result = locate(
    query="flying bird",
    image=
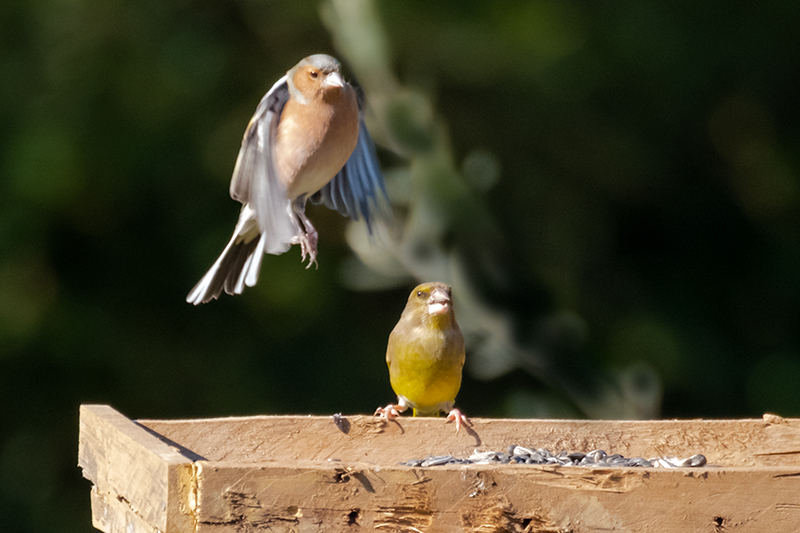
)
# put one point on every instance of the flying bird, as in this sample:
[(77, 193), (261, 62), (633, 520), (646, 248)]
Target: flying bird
[(425, 356), (306, 141)]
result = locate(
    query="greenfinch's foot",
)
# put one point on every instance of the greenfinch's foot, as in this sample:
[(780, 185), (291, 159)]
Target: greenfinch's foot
[(456, 415), (390, 412)]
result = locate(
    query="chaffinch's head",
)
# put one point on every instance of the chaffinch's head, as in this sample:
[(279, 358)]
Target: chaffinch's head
[(316, 76)]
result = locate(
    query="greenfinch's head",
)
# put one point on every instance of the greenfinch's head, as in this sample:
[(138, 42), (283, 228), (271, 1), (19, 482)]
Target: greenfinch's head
[(431, 302)]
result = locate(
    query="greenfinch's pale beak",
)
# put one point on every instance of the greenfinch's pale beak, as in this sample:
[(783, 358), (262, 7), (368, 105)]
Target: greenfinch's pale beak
[(439, 302)]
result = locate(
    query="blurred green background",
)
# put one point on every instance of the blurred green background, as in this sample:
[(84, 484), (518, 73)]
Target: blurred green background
[(611, 188)]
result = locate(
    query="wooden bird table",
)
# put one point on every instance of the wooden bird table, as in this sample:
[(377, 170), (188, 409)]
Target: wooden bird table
[(309, 473)]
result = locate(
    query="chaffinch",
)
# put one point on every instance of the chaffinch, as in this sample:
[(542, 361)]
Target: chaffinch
[(425, 356), (306, 140)]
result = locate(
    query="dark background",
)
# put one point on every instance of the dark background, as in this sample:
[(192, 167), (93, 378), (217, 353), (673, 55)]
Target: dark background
[(616, 189)]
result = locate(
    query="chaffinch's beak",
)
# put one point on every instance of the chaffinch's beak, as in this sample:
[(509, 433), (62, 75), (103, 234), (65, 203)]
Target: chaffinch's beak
[(334, 79)]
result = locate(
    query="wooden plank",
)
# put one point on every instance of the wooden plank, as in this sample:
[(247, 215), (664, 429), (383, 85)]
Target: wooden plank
[(312, 474), (767, 442), (113, 514), (141, 484), (488, 498)]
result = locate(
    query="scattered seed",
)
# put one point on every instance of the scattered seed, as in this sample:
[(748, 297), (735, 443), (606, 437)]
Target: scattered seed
[(542, 456)]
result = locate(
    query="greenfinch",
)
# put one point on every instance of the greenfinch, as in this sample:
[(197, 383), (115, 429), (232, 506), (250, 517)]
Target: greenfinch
[(425, 356)]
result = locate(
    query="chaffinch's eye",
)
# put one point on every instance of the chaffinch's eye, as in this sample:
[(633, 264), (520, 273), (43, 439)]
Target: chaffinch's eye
[(313, 73)]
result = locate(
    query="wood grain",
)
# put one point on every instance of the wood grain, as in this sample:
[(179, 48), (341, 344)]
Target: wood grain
[(315, 497), (370, 439), (298, 474), (139, 481)]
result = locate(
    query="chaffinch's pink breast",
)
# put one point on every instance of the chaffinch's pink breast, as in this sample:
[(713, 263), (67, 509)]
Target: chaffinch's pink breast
[(315, 139)]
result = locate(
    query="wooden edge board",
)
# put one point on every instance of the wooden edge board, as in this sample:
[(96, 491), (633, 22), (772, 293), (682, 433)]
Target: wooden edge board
[(515, 498), (748, 442), (135, 474), (112, 515)]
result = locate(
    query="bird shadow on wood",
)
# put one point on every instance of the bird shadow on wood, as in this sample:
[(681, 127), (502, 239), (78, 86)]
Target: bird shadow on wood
[(186, 452), (472, 433)]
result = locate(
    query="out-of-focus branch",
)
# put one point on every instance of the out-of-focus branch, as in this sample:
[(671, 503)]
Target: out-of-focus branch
[(444, 232)]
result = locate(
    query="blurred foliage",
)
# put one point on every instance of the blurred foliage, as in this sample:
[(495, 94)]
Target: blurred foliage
[(612, 190)]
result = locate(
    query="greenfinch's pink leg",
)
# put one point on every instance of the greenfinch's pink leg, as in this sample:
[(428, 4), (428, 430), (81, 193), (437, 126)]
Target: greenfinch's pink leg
[(390, 412), (456, 415)]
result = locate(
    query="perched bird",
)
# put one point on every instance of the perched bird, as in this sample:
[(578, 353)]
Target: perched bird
[(425, 356), (306, 140)]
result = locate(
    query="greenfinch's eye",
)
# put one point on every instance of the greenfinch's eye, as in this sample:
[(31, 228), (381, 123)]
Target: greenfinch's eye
[(420, 294), (313, 73)]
